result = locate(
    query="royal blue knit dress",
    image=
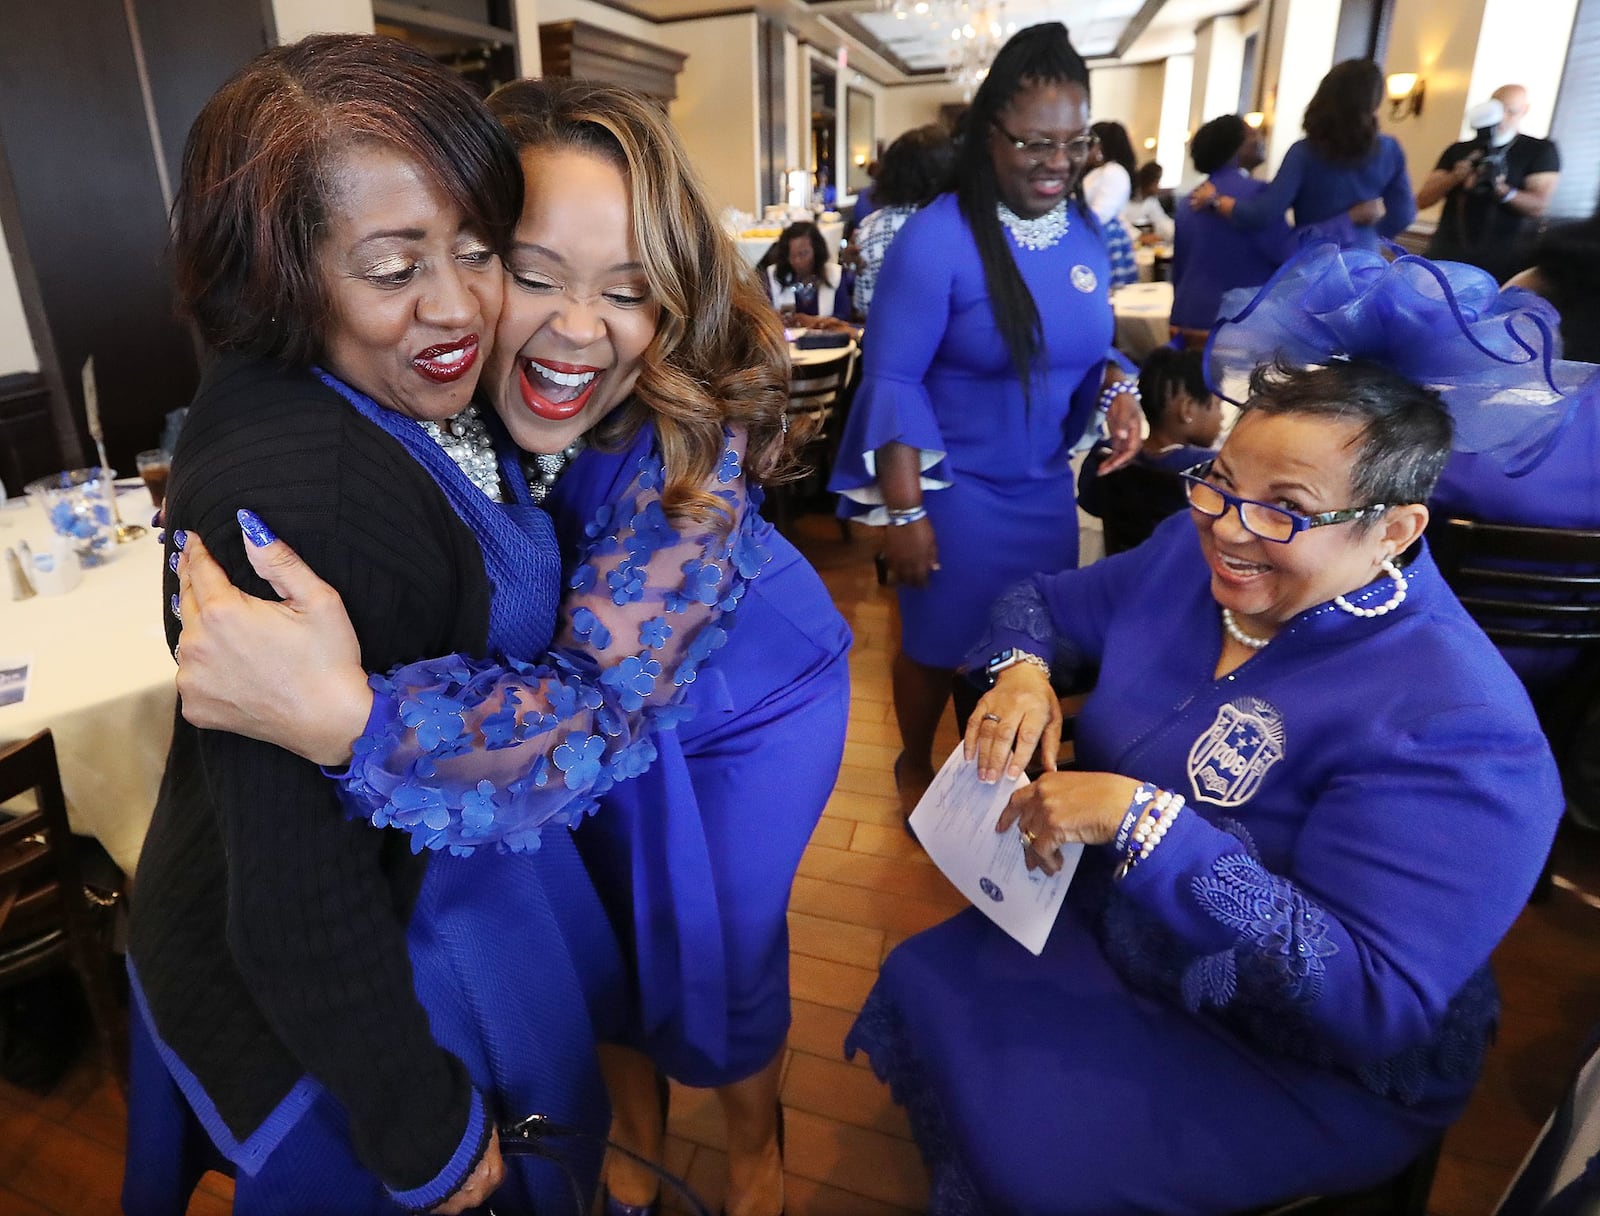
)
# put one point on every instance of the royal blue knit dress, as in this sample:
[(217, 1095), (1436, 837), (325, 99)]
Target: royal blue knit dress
[(937, 376), (694, 857)]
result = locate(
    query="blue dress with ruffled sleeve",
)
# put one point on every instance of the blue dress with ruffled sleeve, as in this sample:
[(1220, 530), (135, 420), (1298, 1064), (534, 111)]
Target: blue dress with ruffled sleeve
[(937, 376)]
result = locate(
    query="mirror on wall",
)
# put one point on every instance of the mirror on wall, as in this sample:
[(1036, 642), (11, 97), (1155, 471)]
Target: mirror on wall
[(824, 120), (860, 129)]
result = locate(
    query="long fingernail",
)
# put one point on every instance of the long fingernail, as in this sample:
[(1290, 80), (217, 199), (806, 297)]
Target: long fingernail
[(256, 532), (179, 539), (172, 563), (173, 604)]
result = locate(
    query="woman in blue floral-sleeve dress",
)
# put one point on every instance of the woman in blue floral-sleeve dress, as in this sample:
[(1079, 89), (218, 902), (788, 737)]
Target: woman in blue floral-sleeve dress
[(696, 694)]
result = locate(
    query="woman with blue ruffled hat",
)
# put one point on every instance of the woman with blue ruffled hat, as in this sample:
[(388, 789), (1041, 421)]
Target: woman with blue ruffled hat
[(1311, 798)]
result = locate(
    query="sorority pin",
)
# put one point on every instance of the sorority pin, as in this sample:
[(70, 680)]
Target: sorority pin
[(1084, 279)]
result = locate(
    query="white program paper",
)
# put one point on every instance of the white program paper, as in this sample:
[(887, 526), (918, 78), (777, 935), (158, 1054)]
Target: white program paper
[(955, 823)]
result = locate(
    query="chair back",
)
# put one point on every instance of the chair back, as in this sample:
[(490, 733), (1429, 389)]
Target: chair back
[(47, 917), (1524, 585), (814, 390)]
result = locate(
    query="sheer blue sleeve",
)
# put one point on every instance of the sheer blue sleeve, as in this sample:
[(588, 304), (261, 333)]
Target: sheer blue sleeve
[(464, 752), (1280, 194)]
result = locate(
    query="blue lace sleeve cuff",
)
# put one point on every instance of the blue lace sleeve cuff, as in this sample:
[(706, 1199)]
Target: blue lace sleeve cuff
[(1020, 620), (448, 1181)]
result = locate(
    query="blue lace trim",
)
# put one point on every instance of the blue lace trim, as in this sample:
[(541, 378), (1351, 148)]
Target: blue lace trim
[(879, 1032), (1263, 986), (1021, 614), (599, 717)]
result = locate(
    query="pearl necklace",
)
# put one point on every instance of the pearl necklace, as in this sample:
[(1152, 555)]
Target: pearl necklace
[(547, 467), (1042, 231), (465, 439), (1239, 635)]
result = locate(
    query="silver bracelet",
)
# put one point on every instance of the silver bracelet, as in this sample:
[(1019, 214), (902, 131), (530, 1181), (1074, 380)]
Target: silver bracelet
[(899, 518)]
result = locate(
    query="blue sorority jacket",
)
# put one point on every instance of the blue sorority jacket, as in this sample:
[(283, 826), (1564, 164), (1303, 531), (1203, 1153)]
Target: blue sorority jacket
[(1371, 801)]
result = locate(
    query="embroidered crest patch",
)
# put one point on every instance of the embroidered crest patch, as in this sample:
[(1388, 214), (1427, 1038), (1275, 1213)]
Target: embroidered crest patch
[(1229, 760), (1084, 279)]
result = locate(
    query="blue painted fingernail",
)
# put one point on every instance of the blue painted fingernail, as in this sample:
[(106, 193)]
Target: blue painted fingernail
[(173, 604), (179, 539), (155, 520), (256, 532), (172, 563)]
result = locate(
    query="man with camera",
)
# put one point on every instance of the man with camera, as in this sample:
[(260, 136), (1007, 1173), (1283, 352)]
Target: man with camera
[(1491, 184)]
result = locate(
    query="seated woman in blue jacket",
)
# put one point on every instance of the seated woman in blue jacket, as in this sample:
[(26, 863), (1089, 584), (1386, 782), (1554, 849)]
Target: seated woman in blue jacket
[(1313, 799)]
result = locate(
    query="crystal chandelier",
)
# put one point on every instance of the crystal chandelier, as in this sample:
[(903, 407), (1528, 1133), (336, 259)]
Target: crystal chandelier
[(975, 30)]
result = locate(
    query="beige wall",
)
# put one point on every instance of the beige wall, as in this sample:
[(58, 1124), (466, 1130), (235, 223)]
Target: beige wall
[(716, 109), (297, 18), (16, 342), (906, 106), (1132, 96), (1522, 42), (1440, 43), (1298, 57)]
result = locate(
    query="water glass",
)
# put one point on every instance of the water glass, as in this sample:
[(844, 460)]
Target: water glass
[(77, 503)]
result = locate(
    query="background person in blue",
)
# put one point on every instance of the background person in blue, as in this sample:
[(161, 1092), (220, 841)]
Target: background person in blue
[(1342, 163), (990, 329), (1211, 256), (695, 851), (1313, 798)]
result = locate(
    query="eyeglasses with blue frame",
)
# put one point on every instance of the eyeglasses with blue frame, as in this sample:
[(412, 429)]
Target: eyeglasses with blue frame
[(1264, 519), (1040, 150)]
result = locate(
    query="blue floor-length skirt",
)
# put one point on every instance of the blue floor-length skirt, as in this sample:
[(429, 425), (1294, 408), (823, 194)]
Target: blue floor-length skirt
[(1047, 1085), (518, 969)]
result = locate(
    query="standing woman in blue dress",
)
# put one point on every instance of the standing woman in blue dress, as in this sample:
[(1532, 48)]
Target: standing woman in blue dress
[(991, 323), (1334, 179), (645, 372)]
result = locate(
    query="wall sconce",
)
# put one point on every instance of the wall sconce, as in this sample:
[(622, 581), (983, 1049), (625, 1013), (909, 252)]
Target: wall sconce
[(1150, 144), (1254, 119), (1406, 90)]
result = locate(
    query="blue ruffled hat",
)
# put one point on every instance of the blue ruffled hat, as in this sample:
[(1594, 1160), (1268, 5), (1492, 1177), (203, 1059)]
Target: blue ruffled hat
[(1492, 355)]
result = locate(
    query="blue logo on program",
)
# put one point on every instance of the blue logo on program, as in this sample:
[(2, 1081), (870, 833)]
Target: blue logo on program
[(989, 889)]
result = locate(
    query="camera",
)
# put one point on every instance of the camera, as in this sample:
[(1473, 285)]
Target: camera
[(1488, 161)]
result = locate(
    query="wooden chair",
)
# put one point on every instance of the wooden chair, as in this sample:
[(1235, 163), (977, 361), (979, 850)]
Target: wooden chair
[(816, 393), (48, 919)]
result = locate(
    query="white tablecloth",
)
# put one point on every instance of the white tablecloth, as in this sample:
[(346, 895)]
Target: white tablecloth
[(1144, 317), (752, 247), (101, 679)]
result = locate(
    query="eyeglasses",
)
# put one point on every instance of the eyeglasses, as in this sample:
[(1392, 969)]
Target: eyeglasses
[(1277, 524), (1040, 150)]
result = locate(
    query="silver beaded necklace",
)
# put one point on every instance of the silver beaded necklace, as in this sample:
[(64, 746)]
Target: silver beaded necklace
[(465, 439), (1042, 231), (547, 467)]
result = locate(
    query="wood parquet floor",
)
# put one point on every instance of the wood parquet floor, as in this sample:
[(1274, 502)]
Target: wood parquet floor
[(862, 888)]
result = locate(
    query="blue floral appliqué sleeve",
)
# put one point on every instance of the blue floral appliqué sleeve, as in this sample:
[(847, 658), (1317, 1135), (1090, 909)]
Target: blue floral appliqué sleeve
[(466, 752)]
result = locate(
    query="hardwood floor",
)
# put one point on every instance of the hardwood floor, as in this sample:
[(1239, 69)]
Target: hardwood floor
[(863, 887)]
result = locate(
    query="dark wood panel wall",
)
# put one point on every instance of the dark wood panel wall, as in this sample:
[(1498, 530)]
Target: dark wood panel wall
[(587, 52), (87, 202)]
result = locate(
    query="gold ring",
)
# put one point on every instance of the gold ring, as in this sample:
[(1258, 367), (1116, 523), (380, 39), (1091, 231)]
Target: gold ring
[(991, 717), (1028, 836)]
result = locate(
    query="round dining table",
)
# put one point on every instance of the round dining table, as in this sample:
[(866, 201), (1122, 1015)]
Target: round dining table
[(1143, 314), (99, 677)]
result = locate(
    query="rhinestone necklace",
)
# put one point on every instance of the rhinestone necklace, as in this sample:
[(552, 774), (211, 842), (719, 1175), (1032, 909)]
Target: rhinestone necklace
[(465, 439), (1042, 231), (546, 467), (1239, 635)]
